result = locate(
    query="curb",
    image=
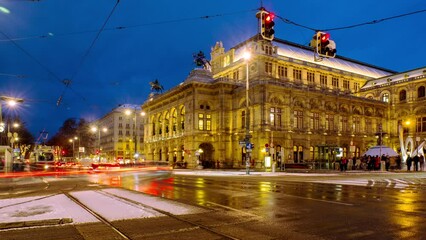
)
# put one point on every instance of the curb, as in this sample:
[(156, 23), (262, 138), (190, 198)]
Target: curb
[(35, 223)]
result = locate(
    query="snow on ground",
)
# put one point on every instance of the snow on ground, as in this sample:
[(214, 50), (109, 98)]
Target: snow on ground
[(156, 202), (113, 208), (37, 208)]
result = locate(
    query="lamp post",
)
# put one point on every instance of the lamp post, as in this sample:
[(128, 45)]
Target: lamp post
[(72, 140), (247, 57), (98, 129)]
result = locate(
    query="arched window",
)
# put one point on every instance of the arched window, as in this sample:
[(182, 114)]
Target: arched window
[(402, 95), (182, 118), (421, 92), (385, 97), (160, 126), (167, 122), (174, 121)]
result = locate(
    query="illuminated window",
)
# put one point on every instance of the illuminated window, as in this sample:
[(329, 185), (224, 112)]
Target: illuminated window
[(356, 124), (200, 121), (385, 97), (182, 118), (275, 116), (344, 124), (315, 119), (329, 122), (204, 121), (208, 122), (298, 119)]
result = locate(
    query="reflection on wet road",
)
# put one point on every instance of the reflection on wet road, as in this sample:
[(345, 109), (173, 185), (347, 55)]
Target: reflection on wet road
[(322, 209)]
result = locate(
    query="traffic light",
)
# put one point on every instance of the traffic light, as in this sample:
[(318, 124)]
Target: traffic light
[(97, 151), (323, 45), (267, 25)]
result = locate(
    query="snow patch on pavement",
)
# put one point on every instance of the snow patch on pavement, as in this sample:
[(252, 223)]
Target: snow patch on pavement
[(166, 205), (113, 208), (34, 208)]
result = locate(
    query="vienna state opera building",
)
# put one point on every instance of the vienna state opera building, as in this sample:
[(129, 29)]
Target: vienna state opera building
[(299, 110)]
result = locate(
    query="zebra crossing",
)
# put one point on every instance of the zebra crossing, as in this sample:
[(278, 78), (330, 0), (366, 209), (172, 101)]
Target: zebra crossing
[(386, 182)]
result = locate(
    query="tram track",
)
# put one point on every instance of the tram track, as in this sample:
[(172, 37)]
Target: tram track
[(124, 235)]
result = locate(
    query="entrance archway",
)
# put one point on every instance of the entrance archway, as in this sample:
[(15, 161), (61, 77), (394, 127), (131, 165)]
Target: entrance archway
[(206, 156)]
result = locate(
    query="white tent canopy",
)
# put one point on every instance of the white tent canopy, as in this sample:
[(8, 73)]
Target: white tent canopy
[(380, 150)]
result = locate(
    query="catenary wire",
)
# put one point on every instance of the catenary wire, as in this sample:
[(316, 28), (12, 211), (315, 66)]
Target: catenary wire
[(68, 82), (49, 35), (351, 26)]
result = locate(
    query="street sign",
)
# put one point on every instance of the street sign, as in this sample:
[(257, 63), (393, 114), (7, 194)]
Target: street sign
[(248, 146), (242, 142)]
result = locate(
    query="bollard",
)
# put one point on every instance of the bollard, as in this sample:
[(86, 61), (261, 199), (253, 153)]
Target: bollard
[(247, 167)]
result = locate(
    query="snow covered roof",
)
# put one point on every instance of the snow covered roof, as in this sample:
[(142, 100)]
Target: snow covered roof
[(306, 54), (405, 76)]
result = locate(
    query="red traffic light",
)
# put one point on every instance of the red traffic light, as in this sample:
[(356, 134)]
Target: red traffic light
[(269, 17), (325, 37)]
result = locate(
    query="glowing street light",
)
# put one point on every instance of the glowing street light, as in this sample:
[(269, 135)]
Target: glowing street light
[(11, 102), (97, 129)]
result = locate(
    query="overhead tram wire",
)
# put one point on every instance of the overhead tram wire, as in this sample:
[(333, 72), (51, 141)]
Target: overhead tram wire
[(350, 26), (68, 82), (50, 35)]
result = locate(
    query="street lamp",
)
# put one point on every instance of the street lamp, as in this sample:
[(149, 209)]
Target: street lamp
[(11, 102), (98, 129), (72, 140), (247, 56)]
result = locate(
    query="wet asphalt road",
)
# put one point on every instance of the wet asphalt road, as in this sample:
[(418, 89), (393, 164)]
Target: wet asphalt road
[(351, 206)]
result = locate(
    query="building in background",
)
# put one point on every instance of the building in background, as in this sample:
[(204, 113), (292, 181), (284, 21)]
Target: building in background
[(404, 95), (121, 134), (301, 110)]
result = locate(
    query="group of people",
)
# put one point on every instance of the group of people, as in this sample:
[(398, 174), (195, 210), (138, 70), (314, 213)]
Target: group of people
[(416, 161), (370, 163), (373, 163)]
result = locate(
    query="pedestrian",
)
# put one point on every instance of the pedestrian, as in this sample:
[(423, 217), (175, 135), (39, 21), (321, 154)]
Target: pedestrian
[(354, 163), (370, 163), (343, 164), (416, 163), (398, 162), (422, 162), (387, 162), (409, 162), (377, 163)]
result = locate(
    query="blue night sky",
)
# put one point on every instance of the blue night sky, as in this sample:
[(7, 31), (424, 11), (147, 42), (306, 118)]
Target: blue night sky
[(159, 40)]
